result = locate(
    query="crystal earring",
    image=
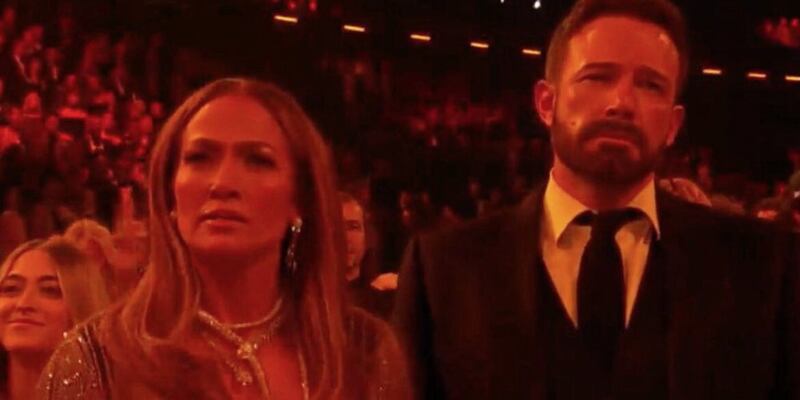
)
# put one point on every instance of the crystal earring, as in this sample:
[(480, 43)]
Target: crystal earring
[(290, 260)]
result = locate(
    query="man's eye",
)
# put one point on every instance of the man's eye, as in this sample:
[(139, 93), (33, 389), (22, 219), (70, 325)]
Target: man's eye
[(596, 77), (654, 86)]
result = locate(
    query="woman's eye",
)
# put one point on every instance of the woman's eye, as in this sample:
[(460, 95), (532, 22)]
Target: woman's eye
[(9, 289), (51, 291), (260, 160), (195, 157)]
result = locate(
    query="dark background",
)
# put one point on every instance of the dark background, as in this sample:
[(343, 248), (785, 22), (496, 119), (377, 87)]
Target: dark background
[(749, 124)]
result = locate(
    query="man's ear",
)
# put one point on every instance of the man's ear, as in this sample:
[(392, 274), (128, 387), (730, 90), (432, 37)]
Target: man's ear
[(544, 100), (675, 123)]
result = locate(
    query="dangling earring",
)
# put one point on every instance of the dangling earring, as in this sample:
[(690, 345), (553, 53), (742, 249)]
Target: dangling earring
[(290, 260), (173, 216)]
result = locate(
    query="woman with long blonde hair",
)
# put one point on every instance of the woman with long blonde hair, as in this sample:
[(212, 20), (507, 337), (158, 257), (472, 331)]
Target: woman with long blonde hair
[(243, 296), (119, 268), (46, 287)]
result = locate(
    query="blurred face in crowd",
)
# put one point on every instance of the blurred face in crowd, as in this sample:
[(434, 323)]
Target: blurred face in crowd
[(33, 34), (73, 100), (93, 83), (157, 110), (136, 109), (71, 81), (9, 16), (32, 102), (234, 185), (35, 67), (353, 216), (146, 125), (33, 313), (51, 123), (108, 122), (15, 116), (612, 108), (52, 56)]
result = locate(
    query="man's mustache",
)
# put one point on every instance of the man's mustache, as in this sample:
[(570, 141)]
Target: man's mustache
[(622, 129)]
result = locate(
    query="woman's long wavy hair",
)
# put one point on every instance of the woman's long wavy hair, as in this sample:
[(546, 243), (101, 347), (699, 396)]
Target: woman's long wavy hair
[(144, 335)]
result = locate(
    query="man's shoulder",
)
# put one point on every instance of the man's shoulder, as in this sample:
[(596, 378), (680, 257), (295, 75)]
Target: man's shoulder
[(483, 231), (705, 222)]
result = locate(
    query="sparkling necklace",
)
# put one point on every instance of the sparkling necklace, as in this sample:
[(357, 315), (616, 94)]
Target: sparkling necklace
[(246, 350)]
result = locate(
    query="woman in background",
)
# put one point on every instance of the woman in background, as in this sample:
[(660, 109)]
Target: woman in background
[(120, 269), (244, 293), (46, 287)]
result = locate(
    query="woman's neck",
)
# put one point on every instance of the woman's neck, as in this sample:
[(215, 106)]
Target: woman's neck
[(23, 374), (239, 289)]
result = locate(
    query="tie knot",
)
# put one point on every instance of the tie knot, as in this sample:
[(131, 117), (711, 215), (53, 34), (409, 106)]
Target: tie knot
[(608, 222)]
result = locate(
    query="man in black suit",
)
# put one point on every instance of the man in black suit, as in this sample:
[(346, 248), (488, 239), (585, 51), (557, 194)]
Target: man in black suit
[(598, 285)]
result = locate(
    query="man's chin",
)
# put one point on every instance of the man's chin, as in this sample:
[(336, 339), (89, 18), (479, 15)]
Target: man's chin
[(614, 171)]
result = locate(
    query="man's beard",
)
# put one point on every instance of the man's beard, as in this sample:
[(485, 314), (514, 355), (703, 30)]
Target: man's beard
[(609, 164)]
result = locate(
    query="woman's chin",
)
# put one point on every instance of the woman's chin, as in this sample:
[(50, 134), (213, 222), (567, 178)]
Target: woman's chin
[(221, 247)]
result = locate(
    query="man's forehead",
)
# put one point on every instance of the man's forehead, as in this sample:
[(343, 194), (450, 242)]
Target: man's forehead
[(624, 40)]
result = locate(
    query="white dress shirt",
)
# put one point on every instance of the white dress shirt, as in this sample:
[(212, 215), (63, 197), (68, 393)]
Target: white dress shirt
[(563, 242)]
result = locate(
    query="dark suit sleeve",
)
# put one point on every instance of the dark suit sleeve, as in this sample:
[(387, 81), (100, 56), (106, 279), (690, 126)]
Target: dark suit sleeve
[(412, 319), (788, 352)]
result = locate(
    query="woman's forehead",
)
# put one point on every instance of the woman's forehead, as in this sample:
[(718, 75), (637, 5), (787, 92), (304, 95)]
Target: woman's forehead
[(233, 118)]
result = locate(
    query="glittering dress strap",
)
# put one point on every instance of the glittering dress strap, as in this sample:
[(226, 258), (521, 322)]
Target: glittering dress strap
[(78, 369)]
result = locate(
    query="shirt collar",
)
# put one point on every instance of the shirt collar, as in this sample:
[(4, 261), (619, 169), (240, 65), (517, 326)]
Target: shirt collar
[(562, 208)]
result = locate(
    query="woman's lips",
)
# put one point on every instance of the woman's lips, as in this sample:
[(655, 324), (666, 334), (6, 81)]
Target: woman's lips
[(25, 322)]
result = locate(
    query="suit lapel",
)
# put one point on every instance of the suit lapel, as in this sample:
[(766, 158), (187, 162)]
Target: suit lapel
[(699, 298)]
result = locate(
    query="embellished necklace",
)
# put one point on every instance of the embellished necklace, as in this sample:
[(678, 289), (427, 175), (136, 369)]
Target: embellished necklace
[(246, 349)]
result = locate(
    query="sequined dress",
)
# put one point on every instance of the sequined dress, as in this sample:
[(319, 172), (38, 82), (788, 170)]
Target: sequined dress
[(80, 369)]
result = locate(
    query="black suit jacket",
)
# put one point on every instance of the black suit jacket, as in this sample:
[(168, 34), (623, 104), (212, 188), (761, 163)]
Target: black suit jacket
[(466, 307)]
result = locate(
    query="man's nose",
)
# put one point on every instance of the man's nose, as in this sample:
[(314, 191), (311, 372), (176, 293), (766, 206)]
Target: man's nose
[(622, 104)]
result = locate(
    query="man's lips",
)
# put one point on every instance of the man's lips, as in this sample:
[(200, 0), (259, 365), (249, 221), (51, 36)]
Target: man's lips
[(623, 139)]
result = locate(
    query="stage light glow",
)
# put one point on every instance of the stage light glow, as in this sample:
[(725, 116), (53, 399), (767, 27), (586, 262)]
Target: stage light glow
[(712, 71), (285, 18), (479, 45), (420, 37), (532, 52), (354, 28), (757, 75)]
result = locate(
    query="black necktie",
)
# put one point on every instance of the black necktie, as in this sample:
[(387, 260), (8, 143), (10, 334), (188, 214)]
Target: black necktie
[(601, 286)]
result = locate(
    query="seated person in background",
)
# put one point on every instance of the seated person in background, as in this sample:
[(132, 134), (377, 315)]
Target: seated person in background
[(685, 189), (361, 288), (767, 209), (46, 288), (118, 270), (12, 225)]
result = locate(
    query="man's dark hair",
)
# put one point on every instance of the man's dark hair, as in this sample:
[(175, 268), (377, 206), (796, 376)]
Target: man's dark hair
[(659, 12)]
